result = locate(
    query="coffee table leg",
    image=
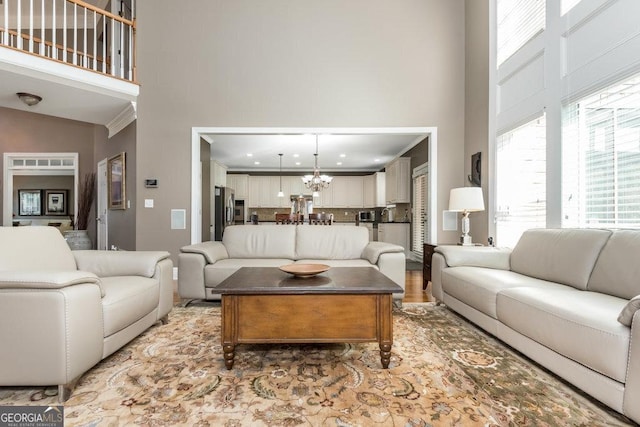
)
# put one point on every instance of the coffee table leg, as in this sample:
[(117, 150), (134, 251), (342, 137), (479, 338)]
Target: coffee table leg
[(229, 354), (385, 354)]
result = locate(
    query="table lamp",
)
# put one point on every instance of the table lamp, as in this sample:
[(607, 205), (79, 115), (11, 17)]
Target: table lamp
[(466, 200)]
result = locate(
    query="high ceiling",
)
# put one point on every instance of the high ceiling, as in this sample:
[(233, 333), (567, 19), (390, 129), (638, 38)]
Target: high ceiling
[(336, 152)]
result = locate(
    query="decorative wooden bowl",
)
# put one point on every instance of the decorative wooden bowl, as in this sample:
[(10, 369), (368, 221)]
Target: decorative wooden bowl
[(304, 270)]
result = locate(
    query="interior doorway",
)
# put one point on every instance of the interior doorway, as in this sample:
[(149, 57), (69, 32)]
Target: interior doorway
[(36, 164), (197, 134)]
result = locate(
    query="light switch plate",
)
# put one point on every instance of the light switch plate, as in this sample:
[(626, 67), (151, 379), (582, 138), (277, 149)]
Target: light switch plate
[(148, 203)]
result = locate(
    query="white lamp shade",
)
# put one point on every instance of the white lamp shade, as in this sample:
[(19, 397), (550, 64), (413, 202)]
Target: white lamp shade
[(467, 199)]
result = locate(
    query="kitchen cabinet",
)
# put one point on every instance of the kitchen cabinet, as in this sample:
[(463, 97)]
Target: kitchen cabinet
[(240, 184), (263, 191), (398, 181), (374, 190), (369, 226), (396, 233), (347, 192), (218, 174)]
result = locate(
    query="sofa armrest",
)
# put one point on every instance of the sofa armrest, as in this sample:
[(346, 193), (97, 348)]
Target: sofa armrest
[(191, 275), (476, 256), (211, 251), (119, 263), (630, 405), (45, 279), (373, 250)]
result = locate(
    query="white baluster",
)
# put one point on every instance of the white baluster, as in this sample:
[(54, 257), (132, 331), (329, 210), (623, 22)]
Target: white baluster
[(6, 23), (113, 46), (104, 44), (31, 26), (54, 49), (42, 30), (19, 26), (84, 41), (75, 35), (64, 30), (95, 43)]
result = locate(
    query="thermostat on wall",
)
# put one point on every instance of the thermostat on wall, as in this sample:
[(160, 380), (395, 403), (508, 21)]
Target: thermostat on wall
[(151, 183)]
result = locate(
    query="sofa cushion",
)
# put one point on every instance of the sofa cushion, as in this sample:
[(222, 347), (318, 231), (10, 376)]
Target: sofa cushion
[(617, 271), (127, 299), (263, 241), (565, 256), (579, 325), (330, 242), (36, 249), (626, 315), (214, 274), (478, 287)]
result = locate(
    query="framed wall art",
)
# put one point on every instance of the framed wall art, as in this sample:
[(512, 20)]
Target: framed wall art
[(29, 202), (116, 169), (55, 202)]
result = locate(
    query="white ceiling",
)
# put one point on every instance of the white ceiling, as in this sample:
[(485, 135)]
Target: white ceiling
[(356, 152)]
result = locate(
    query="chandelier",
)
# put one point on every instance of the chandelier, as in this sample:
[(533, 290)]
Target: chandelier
[(316, 182)]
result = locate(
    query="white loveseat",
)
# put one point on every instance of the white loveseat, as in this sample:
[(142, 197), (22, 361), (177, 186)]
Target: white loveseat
[(566, 298), (203, 266), (63, 311)]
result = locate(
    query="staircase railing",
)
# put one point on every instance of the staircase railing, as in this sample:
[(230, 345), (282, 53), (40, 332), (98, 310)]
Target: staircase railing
[(72, 32)]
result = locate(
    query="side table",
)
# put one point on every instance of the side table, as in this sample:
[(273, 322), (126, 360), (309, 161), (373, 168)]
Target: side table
[(427, 253)]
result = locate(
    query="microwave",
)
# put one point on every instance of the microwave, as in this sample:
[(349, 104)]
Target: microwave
[(366, 216)]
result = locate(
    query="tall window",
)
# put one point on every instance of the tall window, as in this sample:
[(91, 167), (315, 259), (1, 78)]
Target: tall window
[(520, 181), (567, 5), (419, 209), (601, 158), (518, 22)]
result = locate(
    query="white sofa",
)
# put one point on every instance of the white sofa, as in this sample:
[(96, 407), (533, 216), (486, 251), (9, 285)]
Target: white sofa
[(566, 298), (203, 266), (63, 311)]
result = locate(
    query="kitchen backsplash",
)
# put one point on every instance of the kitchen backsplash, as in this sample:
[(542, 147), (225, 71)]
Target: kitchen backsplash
[(339, 214)]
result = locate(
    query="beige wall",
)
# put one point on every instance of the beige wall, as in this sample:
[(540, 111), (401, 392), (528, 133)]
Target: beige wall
[(122, 223), (307, 63), (477, 106)]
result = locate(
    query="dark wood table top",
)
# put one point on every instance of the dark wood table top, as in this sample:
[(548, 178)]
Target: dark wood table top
[(336, 280)]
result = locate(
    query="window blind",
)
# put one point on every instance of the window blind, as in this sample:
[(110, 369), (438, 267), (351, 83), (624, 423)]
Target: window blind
[(419, 213), (601, 158), (520, 181), (518, 22)]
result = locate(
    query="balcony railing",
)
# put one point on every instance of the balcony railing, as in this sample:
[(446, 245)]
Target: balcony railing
[(72, 32)]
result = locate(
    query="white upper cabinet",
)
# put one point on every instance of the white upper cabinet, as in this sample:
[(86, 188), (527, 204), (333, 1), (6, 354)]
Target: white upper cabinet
[(218, 174), (398, 181), (240, 185), (374, 190), (348, 191)]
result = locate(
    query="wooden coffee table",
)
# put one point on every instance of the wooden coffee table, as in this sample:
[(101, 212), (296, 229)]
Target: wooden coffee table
[(267, 305)]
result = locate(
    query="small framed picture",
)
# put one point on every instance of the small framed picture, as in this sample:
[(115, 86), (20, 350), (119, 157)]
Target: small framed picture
[(116, 169), (55, 202), (30, 203)]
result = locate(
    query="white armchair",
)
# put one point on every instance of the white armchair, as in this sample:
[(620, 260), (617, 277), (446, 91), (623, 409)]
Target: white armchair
[(63, 311)]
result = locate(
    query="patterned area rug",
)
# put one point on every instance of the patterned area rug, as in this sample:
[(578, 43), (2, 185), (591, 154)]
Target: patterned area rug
[(443, 371)]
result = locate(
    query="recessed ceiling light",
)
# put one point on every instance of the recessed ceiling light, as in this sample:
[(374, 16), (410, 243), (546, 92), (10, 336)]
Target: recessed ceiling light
[(343, 155), (376, 160), (256, 163), (249, 155), (297, 163), (296, 155), (339, 163)]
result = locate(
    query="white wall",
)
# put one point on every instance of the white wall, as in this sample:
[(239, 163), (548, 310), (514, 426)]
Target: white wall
[(304, 63)]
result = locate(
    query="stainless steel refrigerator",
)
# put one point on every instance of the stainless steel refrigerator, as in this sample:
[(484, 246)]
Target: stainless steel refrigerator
[(224, 210)]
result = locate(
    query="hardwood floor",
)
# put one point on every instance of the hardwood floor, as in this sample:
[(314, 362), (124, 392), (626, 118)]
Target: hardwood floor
[(413, 289)]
